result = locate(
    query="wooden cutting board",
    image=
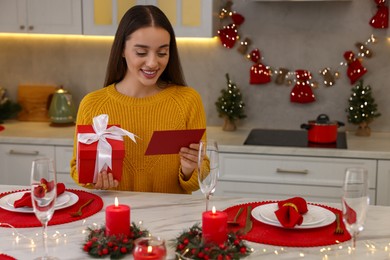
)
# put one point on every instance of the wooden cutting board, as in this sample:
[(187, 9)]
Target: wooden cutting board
[(35, 102)]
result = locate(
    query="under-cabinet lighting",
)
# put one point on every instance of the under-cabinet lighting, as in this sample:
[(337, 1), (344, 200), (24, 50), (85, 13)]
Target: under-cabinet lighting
[(96, 37)]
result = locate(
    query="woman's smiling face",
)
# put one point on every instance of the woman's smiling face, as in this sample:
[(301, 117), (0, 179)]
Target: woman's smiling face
[(147, 55)]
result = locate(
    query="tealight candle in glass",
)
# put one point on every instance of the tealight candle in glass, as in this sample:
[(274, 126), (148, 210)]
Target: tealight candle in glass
[(149, 248)]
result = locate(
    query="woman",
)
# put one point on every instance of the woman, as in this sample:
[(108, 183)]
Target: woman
[(145, 91)]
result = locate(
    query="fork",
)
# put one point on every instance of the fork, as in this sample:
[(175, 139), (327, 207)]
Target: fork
[(338, 229), (79, 212)]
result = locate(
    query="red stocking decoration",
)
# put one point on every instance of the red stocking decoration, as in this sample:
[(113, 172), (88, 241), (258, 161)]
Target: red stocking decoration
[(301, 92), (259, 73), (355, 69), (228, 35), (381, 19)]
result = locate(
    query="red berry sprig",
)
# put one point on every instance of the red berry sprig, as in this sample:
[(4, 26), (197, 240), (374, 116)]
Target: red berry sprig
[(189, 244), (99, 245)]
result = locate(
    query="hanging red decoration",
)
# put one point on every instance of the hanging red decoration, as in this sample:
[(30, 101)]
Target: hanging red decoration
[(302, 92), (381, 19), (228, 35), (238, 19), (259, 73), (355, 69)]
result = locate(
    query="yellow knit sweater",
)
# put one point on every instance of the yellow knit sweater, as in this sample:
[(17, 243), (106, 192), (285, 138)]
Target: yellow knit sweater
[(175, 107)]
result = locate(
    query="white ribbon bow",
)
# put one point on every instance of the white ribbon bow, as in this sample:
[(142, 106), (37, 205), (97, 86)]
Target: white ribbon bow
[(104, 149)]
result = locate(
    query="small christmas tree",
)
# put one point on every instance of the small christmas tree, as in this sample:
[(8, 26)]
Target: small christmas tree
[(230, 105), (362, 108)]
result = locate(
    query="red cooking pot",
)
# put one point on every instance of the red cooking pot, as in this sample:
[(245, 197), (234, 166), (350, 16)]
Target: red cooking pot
[(322, 130)]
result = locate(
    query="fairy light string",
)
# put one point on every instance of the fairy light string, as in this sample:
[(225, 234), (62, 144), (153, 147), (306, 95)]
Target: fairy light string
[(229, 35)]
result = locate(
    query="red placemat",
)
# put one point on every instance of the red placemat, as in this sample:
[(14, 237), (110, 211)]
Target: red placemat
[(6, 257), (272, 235), (61, 216)]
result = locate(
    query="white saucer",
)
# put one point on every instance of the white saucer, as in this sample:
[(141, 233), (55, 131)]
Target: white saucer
[(65, 200), (315, 217)]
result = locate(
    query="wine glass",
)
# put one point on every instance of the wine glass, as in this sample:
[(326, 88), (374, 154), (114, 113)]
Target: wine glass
[(43, 195), (208, 168), (355, 201)]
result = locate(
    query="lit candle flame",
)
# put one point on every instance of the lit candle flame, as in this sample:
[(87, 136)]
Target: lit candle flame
[(213, 210), (116, 202), (150, 249)]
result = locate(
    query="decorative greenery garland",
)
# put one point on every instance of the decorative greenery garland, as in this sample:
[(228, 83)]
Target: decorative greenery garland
[(99, 245), (189, 245)]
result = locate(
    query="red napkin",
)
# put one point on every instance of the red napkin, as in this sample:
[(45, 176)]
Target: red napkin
[(25, 200), (290, 211)]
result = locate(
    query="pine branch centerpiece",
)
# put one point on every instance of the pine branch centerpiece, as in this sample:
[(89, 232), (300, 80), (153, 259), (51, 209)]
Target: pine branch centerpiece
[(230, 105), (362, 108)]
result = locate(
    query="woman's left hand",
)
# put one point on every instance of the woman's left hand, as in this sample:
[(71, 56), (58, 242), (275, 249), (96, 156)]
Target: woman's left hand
[(189, 159)]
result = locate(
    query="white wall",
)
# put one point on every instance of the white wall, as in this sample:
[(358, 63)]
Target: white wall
[(290, 34)]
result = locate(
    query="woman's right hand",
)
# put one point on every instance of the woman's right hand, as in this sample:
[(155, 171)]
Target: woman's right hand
[(105, 181)]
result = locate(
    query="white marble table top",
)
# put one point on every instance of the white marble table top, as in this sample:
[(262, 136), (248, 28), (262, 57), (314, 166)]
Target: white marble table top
[(167, 215)]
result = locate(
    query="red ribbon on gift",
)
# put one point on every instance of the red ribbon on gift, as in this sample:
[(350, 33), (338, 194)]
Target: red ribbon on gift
[(104, 149)]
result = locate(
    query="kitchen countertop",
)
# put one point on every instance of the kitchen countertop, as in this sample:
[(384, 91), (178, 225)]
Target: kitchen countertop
[(377, 146), (168, 215)]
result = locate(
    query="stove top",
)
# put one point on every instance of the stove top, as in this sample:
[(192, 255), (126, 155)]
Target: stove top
[(290, 138)]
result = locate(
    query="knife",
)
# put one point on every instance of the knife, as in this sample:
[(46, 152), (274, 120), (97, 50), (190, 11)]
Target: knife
[(248, 223)]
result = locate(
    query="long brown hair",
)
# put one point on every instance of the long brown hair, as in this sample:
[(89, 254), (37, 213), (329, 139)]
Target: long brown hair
[(141, 16)]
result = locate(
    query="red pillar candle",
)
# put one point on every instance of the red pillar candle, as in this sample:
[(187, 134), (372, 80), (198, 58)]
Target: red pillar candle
[(149, 248), (214, 226), (117, 219)]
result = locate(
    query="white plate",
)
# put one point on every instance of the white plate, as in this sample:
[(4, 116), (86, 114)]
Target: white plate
[(315, 217), (65, 200)]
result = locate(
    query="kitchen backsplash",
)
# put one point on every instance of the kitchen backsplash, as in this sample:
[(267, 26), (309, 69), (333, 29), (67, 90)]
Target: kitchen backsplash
[(293, 35)]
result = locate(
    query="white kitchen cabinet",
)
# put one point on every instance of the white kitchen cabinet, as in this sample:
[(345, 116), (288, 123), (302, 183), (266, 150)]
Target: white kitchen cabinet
[(383, 183), (16, 160), (318, 179), (189, 18), (41, 16), (63, 156)]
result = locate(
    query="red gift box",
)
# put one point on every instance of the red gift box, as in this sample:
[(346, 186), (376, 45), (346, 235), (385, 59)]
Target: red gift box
[(86, 156)]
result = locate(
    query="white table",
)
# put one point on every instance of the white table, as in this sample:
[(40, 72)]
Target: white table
[(167, 215)]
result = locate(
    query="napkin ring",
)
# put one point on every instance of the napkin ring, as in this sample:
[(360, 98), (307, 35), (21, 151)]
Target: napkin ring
[(291, 205)]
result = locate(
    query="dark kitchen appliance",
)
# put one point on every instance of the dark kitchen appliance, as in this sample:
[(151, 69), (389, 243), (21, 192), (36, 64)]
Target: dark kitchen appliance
[(290, 138)]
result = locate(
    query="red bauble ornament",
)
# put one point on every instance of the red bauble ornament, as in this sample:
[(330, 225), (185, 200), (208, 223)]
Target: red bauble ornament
[(259, 73), (238, 19), (301, 92), (355, 69), (228, 35), (381, 19)]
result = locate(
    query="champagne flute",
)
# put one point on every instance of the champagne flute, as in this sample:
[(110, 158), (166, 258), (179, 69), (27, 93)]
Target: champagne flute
[(208, 168), (355, 201), (43, 195)]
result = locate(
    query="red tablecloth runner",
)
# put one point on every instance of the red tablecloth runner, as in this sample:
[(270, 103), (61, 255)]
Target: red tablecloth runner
[(272, 235), (61, 216)]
